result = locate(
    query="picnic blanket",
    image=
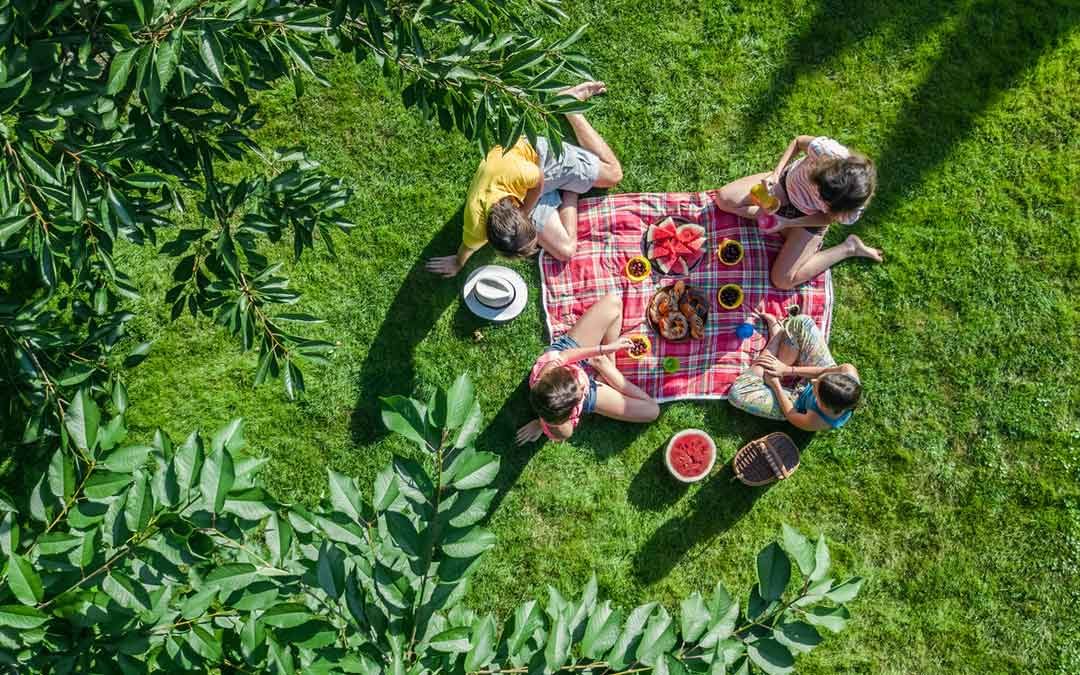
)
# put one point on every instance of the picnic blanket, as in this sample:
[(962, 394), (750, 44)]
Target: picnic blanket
[(611, 230)]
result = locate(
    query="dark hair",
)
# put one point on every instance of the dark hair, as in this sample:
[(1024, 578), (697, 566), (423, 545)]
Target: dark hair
[(839, 391), (510, 232), (555, 394), (846, 184)]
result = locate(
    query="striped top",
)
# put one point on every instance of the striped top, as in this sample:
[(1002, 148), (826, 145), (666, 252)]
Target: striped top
[(802, 192)]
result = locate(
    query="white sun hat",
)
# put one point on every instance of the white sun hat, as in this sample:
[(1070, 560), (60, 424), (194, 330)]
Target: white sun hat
[(495, 293)]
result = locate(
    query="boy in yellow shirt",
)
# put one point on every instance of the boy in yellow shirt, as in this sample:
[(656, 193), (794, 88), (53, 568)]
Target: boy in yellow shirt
[(526, 197)]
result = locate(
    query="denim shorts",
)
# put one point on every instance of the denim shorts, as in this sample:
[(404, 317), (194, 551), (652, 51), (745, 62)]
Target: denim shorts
[(561, 344)]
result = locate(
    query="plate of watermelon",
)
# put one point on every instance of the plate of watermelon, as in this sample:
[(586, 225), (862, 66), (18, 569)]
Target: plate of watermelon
[(690, 455), (674, 245)]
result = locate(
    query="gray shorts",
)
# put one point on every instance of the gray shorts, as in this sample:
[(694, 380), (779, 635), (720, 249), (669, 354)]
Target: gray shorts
[(575, 171)]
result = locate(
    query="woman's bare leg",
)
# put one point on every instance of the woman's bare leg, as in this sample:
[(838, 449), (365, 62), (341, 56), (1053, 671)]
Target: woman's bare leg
[(618, 406), (610, 168), (600, 323), (735, 196), (800, 260)]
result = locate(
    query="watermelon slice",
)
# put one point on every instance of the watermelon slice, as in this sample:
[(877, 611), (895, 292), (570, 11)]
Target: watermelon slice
[(690, 455), (664, 264), (692, 259), (658, 250), (681, 268), (696, 245), (680, 248), (689, 232), (665, 229)]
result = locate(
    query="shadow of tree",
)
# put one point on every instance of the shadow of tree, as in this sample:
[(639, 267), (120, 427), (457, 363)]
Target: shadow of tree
[(992, 44), (388, 369)]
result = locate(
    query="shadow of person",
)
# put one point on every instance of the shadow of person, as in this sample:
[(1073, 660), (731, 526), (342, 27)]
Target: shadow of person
[(720, 503), (409, 316)]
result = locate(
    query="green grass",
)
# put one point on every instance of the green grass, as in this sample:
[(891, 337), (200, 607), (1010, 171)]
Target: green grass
[(954, 490)]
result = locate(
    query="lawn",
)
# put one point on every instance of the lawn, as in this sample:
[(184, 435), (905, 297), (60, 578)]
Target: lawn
[(954, 490)]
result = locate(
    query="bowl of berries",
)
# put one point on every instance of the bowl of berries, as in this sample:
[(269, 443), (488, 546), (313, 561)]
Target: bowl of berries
[(641, 348), (730, 252), (730, 296), (638, 268)]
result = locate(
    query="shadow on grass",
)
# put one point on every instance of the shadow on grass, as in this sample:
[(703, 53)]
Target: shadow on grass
[(421, 299), (991, 45), (720, 503)]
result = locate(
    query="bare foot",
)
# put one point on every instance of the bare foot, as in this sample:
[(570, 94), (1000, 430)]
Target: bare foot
[(585, 90), (861, 250)]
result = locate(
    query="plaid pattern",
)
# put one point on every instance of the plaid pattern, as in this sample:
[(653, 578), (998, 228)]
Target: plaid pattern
[(610, 232)]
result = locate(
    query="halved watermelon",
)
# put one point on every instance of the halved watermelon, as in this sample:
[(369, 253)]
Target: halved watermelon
[(689, 232), (690, 455)]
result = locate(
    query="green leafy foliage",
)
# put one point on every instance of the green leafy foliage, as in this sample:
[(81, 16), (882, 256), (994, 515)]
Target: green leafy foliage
[(190, 566), (116, 117)]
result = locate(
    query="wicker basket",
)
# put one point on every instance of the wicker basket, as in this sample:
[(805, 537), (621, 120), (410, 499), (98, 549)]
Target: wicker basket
[(766, 459)]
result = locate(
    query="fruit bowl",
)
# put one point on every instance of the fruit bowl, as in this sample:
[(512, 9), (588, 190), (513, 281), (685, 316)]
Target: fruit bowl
[(730, 252), (730, 296), (642, 347), (637, 268), (675, 246), (690, 455)]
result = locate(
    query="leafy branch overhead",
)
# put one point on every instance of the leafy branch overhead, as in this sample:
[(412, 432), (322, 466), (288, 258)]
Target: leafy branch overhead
[(172, 557), (116, 118)]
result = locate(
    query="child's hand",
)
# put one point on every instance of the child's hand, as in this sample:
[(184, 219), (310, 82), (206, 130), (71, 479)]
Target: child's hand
[(772, 366), (772, 224), (529, 433), (624, 342)]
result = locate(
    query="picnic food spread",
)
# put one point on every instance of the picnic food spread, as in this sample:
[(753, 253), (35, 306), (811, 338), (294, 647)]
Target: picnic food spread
[(675, 248), (679, 311)]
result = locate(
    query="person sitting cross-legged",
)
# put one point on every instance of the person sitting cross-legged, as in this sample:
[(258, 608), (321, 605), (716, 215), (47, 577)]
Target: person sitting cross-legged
[(525, 198), (797, 348)]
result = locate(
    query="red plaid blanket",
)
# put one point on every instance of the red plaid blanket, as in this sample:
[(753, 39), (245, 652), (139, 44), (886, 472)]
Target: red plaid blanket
[(610, 232)]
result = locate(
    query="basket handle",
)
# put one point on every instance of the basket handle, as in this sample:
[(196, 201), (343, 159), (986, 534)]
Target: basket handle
[(774, 460)]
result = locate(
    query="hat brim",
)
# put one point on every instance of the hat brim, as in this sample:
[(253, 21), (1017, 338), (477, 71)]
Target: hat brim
[(497, 314)]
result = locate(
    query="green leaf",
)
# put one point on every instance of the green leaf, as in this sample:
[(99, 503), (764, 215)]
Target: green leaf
[(459, 401), (9, 534), (386, 488), (23, 580), (124, 591), (800, 548), (139, 353), (798, 636), (287, 615), (771, 656), (468, 543), (658, 638), (231, 576), (119, 70), (527, 619), (81, 420), (585, 607), (831, 618), (470, 428), (693, 617), (331, 570), (475, 470), (558, 645), (279, 536), (774, 571), (127, 458), (62, 475), (345, 495), (21, 617), (119, 397), (413, 480), (403, 532), (453, 641), (845, 591), (120, 210), (724, 617), (217, 479), (601, 632), (621, 654), (140, 503), (230, 436), (39, 166), (469, 507), (188, 463), (482, 643), (402, 416), (166, 61), (210, 51), (10, 226), (821, 560), (104, 484)]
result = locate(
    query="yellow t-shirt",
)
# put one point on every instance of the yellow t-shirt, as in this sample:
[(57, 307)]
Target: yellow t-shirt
[(499, 176)]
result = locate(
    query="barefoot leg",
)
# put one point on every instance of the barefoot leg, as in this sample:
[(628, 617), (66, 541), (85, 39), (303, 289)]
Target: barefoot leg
[(610, 168), (613, 404), (600, 323), (735, 196), (804, 262)]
